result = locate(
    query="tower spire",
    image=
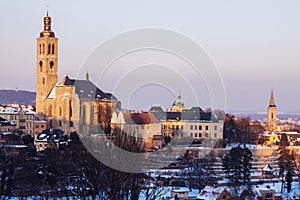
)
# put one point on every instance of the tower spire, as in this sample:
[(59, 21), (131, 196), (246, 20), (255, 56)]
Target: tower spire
[(272, 99), (47, 32), (179, 97)]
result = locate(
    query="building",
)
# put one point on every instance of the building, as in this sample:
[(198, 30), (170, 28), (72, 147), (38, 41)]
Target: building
[(142, 125), (268, 171), (269, 138), (214, 193), (69, 104), (6, 126), (266, 193), (180, 193), (272, 117), (50, 138), (192, 123), (21, 117), (39, 125)]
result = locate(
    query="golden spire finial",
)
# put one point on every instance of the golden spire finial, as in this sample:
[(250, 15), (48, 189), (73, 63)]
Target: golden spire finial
[(47, 26)]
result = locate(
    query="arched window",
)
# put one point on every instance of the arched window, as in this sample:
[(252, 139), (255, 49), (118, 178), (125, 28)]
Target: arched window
[(40, 49), (41, 66), (60, 111), (70, 109), (43, 81), (51, 64), (43, 48), (53, 49), (84, 115), (49, 48)]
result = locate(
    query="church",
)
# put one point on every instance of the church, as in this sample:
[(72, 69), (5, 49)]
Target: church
[(272, 117), (68, 104)]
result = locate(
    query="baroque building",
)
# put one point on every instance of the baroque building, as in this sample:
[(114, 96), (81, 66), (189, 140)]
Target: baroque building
[(194, 123), (68, 104)]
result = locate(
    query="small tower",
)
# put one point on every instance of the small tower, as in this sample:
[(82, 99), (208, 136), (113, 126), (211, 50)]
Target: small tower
[(46, 64), (272, 114), (178, 105)]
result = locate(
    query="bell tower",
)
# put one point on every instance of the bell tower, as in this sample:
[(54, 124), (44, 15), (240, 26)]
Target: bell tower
[(272, 109), (46, 64)]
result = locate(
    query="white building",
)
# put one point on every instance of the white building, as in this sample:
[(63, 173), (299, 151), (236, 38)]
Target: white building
[(141, 125)]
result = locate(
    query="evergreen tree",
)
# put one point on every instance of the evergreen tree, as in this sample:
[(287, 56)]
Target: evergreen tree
[(286, 163), (237, 165), (247, 164)]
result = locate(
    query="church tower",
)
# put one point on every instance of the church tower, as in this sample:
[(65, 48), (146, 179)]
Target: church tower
[(272, 114), (46, 64)]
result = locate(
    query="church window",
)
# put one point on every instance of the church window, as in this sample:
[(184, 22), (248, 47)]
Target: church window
[(43, 81), (70, 110), (71, 124), (53, 48), (51, 64), (40, 49), (60, 123), (43, 48), (49, 48), (60, 111), (84, 114), (272, 115), (41, 65)]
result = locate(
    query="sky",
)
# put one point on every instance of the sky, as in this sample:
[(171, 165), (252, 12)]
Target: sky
[(255, 45)]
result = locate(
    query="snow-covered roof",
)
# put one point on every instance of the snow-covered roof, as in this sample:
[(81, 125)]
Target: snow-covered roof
[(291, 132), (17, 146), (181, 189), (56, 134), (16, 111), (210, 193), (268, 133), (259, 188), (268, 168)]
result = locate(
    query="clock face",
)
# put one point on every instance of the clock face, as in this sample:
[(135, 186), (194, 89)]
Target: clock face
[(51, 64)]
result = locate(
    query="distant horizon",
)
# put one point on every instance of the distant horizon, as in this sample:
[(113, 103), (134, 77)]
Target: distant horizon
[(239, 112)]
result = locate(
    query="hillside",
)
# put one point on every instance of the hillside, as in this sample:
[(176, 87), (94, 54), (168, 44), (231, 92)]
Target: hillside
[(13, 96)]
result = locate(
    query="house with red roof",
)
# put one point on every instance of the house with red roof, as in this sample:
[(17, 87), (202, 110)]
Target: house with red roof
[(141, 125), (214, 193)]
